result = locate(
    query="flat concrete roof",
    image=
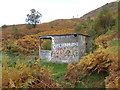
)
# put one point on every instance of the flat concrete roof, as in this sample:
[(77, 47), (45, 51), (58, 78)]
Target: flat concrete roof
[(48, 36)]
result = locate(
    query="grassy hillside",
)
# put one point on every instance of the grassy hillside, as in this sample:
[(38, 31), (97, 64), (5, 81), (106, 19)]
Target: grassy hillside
[(92, 14), (98, 69)]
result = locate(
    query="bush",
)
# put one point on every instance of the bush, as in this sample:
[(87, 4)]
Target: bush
[(26, 75), (12, 48), (4, 26), (97, 62), (15, 31), (78, 28), (29, 26), (89, 20), (47, 45), (103, 21), (112, 81), (102, 40), (27, 44), (92, 33), (81, 27)]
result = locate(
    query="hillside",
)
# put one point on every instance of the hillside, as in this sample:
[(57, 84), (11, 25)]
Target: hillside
[(92, 14), (22, 67), (60, 24)]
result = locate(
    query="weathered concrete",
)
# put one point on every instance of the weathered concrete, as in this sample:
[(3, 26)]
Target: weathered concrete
[(65, 48)]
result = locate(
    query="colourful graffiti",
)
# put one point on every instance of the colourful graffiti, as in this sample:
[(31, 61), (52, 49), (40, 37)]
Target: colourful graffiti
[(45, 55), (65, 51)]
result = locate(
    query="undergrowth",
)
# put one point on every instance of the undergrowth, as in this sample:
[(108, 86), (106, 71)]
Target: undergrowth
[(25, 74)]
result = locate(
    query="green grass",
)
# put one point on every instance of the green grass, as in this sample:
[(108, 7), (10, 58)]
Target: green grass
[(58, 69), (114, 46), (114, 42), (93, 81)]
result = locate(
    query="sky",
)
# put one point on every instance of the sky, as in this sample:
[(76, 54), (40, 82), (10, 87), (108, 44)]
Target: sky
[(15, 11)]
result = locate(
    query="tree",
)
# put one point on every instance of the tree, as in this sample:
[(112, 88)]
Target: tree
[(104, 20), (4, 26), (34, 17)]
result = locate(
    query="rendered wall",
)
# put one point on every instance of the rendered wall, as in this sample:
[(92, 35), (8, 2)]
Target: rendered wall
[(65, 49), (45, 55), (82, 45)]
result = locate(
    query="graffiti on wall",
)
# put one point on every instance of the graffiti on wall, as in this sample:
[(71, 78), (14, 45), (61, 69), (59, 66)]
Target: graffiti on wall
[(65, 51), (45, 55)]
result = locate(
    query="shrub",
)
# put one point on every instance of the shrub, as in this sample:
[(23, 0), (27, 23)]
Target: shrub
[(103, 21), (102, 40), (25, 75), (27, 44), (29, 26), (47, 44), (78, 28), (15, 31), (97, 62), (92, 33), (89, 20), (4, 26), (81, 27), (112, 81)]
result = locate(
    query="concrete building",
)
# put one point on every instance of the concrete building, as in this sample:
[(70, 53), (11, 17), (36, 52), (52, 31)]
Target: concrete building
[(65, 48)]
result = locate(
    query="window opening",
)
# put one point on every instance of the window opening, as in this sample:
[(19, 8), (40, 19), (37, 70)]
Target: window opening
[(45, 44)]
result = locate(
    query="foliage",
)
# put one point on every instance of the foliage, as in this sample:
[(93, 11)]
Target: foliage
[(89, 20), (87, 73), (96, 62), (15, 31), (82, 25), (56, 32), (9, 46), (114, 46), (28, 43), (53, 24), (4, 26), (103, 39), (33, 18), (92, 33), (47, 44), (26, 75), (29, 26), (38, 31), (112, 81), (104, 21), (77, 28), (12, 48), (92, 81), (58, 70)]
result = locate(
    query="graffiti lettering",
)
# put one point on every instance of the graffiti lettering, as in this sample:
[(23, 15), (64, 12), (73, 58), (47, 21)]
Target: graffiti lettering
[(65, 51)]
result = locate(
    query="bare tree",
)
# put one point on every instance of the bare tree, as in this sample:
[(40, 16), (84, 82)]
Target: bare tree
[(34, 17)]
